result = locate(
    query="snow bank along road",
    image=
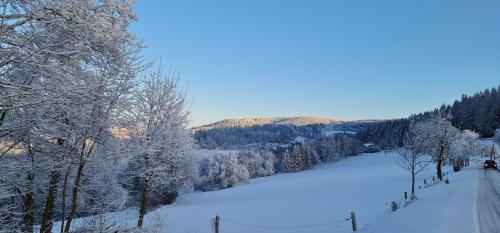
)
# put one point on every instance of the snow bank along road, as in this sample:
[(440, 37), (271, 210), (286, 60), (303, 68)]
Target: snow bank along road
[(488, 201), (441, 208), (469, 204)]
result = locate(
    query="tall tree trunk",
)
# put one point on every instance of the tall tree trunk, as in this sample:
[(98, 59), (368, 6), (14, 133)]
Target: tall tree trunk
[(74, 191), (29, 199), (63, 198), (439, 173), (74, 194), (412, 185), (46, 226), (28, 218), (144, 202)]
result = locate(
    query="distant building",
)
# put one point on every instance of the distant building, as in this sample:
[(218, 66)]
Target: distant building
[(371, 148)]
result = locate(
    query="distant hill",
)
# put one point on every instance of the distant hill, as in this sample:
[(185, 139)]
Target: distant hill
[(248, 122), (233, 133)]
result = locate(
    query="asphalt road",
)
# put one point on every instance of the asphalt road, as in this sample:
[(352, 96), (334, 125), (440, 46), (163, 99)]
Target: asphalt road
[(489, 201)]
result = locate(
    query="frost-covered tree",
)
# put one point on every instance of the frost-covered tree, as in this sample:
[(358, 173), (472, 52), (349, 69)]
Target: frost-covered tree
[(412, 155), (441, 135), (221, 171), (497, 136), (298, 158), (64, 66), (258, 164), (492, 152), (160, 144), (464, 146)]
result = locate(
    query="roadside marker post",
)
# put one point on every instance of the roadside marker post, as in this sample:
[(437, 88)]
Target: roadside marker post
[(353, 221)]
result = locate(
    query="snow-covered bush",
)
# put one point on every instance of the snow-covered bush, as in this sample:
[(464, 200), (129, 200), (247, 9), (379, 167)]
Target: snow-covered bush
[(221, 171), (464, 146), (393, 206), (258, 164)]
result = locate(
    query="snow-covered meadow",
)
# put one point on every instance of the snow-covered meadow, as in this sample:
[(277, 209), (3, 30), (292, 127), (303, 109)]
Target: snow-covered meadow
[(316, 201)]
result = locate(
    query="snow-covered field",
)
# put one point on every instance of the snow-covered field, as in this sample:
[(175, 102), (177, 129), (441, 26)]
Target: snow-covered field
[(327, 194)]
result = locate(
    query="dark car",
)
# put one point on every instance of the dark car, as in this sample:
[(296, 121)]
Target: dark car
[(490, 164)]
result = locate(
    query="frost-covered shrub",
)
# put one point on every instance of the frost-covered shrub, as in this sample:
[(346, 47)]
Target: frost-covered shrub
[(221, 171), (393, 206), (258, 164)]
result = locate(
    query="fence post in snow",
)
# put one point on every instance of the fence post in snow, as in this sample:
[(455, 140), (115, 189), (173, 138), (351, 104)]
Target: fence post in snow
[(406, 195), (216, 223), (353, 220), (425, 181)]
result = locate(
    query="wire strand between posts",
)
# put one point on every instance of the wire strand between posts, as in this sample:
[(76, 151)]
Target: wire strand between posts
[(283, 227)]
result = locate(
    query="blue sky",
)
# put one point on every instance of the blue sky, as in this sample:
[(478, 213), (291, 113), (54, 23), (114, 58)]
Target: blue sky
[(346, 60)]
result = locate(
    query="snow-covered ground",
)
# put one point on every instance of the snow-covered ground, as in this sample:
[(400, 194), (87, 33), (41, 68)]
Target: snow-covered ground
[(440, 208), (325, 195)]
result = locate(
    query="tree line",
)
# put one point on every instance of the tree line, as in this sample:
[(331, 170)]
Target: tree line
[(229, 137), (479, 113), (326, 149), (270, 133)]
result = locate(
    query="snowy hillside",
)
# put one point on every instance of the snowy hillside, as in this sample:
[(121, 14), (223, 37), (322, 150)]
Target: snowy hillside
[(246, 122), (235, 133), (322, 197)]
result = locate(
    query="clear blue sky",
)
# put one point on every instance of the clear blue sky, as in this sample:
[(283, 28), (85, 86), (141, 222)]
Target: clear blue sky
[(346, 60)]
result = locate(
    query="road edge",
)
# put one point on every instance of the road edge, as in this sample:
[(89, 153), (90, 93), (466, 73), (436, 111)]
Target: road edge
[(475, 219)]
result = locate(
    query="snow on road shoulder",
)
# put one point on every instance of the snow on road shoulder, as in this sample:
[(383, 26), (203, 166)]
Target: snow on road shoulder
[(439, 208)]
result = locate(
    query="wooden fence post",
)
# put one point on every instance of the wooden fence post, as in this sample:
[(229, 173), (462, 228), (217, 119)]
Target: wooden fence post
[(425, 181), (216, 224), (406, 195), (353, 220)]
